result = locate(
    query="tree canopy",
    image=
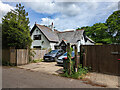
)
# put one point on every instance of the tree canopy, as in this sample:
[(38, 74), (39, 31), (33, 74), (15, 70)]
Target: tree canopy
[(15, 28), (113, 23), (106, 33)]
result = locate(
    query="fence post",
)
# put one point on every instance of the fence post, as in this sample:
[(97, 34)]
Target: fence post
[(76, 59), (69, 63)]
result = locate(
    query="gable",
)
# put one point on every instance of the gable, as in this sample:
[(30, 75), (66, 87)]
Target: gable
[(47, 32), (62, 43)]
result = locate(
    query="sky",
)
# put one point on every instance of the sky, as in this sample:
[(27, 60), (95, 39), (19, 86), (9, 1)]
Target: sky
[(64, 15)]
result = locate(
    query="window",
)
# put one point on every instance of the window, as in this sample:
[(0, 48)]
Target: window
[(37, 37), (37, 47)]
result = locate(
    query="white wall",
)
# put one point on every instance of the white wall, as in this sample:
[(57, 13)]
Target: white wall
[(52, 45), (46, 43), (82, 42), (89, 43)]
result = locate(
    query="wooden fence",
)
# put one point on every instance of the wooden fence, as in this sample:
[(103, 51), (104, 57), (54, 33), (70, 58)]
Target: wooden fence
[(102, 58), (15, 56), (21, 56), (39, 54)]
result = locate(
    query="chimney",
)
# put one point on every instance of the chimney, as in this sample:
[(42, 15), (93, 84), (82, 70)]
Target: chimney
[(52, 27)]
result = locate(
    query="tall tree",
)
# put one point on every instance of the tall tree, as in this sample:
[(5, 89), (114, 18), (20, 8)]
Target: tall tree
[(15, 28), (113, 23), (98, 32)]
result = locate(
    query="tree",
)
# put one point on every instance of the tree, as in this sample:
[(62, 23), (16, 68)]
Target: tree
[(15, 28), (98, 32), (113, 23), (107, 33), (84, 27)]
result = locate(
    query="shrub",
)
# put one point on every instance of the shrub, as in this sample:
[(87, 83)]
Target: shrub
[(76, 75)]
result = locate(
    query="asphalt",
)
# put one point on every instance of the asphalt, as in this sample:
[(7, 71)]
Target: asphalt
[(13, 77)]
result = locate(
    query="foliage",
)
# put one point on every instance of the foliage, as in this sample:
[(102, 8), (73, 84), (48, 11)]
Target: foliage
[(44, 48), (69, 56), (106, 33), (50, 49), (31, 54), (76, 75), (98, 44), (15, 28), (113, 23), (84, 27), (36, 61), (98, 33)]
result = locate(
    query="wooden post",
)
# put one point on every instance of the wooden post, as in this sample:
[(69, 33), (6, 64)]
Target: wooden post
[(76, 59), (84, 59), (69, 64)]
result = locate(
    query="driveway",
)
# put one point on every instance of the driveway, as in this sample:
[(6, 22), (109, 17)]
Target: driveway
[(46, 67), (21, 78), (52, 68)]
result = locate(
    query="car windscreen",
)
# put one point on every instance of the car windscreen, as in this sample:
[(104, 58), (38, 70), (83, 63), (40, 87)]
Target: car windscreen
[(53, 51)]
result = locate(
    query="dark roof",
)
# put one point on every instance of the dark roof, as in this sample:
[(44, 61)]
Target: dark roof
[(57, 36), (70, 36), (48, 33)]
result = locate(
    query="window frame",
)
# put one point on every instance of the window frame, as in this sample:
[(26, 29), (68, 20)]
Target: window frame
[(37, 37)]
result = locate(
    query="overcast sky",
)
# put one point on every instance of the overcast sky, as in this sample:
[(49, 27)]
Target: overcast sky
[(64, 15)]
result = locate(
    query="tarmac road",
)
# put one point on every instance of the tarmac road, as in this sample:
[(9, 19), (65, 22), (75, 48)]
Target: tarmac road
[(13, 77)]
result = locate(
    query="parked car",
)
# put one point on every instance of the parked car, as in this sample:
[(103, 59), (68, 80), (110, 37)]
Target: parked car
[(53, 55), (60, 59)]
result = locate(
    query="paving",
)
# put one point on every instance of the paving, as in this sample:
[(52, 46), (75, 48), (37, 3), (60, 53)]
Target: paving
[(13, 77), (110, 81), (48, 67)]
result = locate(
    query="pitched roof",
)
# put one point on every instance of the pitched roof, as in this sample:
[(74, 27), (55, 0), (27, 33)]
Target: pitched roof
[(48, 33), (70, 36)]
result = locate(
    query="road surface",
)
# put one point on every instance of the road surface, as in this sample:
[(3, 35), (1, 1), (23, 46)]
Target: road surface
[(13, 77)]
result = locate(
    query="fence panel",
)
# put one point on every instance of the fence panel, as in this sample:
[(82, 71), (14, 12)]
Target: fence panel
[(102, 58), (22, 56), (13, 56), (39, 54), (5, 55)]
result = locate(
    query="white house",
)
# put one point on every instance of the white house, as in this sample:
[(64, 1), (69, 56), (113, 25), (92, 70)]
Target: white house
[(77, 37), (43, 37), (46, 37)]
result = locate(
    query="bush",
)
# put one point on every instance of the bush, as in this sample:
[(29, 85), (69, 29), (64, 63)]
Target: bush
[(76, 75)]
